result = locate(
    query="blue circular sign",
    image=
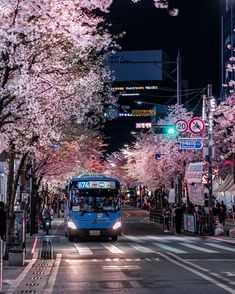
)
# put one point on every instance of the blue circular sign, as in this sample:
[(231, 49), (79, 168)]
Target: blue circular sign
[(112, 112), (157, 156)]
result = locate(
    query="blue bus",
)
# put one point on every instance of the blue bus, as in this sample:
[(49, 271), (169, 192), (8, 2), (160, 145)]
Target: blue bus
[(93, 207)]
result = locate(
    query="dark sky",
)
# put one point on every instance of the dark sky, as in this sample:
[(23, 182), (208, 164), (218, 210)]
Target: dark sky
[(195, 32)]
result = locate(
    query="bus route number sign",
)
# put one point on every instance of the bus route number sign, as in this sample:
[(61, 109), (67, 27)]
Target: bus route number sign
[(83, 185), (181, 126)]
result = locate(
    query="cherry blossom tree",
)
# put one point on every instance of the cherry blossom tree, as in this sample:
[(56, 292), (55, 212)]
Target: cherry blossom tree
[(145, 168), (116, 167), (224, 133), (51, 71)]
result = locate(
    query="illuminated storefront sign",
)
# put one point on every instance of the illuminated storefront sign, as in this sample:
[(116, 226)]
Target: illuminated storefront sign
[(143, 125), (143, 112)]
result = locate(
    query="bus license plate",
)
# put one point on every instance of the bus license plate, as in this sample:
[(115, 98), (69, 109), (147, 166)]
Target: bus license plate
[(94, 233)]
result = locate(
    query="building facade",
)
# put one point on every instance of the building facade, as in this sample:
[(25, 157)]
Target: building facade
[(227, 48)]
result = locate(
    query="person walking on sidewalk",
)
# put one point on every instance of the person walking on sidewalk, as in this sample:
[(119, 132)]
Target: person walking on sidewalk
[(178, 218), (166, 215)]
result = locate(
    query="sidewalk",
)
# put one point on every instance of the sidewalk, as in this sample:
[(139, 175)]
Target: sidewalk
[(13, 275)]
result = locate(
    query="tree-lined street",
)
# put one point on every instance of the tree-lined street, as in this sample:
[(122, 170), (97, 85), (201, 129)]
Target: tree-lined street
[(66, 87)]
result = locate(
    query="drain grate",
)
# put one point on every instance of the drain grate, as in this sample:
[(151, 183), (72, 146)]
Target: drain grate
[(36, 278)]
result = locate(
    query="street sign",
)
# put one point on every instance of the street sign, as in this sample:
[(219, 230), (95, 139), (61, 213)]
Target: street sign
[(196, 125), (158, 156), (112, 112), (181, 126), (143, 112), (191, 144)]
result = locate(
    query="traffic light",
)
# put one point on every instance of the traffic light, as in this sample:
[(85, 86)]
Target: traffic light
[(168, 130)]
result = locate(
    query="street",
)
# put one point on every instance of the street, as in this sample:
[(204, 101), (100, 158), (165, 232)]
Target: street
[(143, 260)]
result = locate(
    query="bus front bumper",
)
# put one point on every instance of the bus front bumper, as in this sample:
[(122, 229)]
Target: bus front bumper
[(94, 232)]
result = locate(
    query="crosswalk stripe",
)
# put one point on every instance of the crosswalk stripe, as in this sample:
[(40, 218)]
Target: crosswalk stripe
[(198, 248), (83, 250), (220, 247), (169, 248), (133, 238), (112, 248), (155, 238), (142, 248)]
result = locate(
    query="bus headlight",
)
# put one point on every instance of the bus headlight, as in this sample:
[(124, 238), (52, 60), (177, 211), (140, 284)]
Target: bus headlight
[(71, 224), (117, 225)]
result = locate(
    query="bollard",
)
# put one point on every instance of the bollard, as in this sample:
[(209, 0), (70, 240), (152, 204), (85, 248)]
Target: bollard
[(47, 251)]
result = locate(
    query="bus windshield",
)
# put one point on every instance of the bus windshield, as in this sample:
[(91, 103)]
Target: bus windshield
[(94, 200)]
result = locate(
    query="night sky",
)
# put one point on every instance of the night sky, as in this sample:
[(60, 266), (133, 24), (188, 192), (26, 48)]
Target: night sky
[(195, 32)]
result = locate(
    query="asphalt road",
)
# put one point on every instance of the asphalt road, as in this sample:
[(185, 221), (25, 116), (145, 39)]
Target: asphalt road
[(143, 260)]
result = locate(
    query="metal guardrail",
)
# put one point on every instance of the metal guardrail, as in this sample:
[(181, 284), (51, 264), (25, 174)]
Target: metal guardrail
[(156, 216), (47, 249)]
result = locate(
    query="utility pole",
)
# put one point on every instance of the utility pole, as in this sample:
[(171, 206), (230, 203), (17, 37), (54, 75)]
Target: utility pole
[(210, 111), (32, 199), (179, 180), (178, 79)]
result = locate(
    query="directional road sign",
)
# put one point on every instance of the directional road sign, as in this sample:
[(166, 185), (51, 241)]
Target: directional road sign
[(191, 144), (196, 125)]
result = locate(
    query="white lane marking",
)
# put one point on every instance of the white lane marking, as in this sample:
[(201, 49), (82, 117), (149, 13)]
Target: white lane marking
[(155, 238), (112, 248), (181, 238), (198, 248), (83, 249), (133, 238), (142, 248), (210, 259), (169, 248), (222, 239), (53, 275), (135, 284), (202, 275), (220, 247), (121, 267)]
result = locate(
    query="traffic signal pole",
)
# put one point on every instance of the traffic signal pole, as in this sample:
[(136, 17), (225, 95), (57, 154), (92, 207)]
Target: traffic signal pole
[(209, 157)]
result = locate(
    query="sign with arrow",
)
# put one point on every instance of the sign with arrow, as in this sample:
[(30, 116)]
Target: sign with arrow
[(191, 144)]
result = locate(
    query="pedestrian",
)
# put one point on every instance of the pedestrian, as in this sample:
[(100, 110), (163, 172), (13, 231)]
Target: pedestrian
[(178, 218), (223, 212), (167, 215), (2, 221)]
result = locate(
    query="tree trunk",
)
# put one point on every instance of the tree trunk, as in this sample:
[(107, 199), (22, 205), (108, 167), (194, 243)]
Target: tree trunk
[(12, 183), (10, 203)]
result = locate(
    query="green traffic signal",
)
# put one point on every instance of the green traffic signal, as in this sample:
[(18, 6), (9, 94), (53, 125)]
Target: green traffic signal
[(168, 130)]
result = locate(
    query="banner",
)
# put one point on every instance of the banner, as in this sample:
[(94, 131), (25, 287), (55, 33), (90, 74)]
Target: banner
[(171, 197), (196, 194), (194, 172)]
